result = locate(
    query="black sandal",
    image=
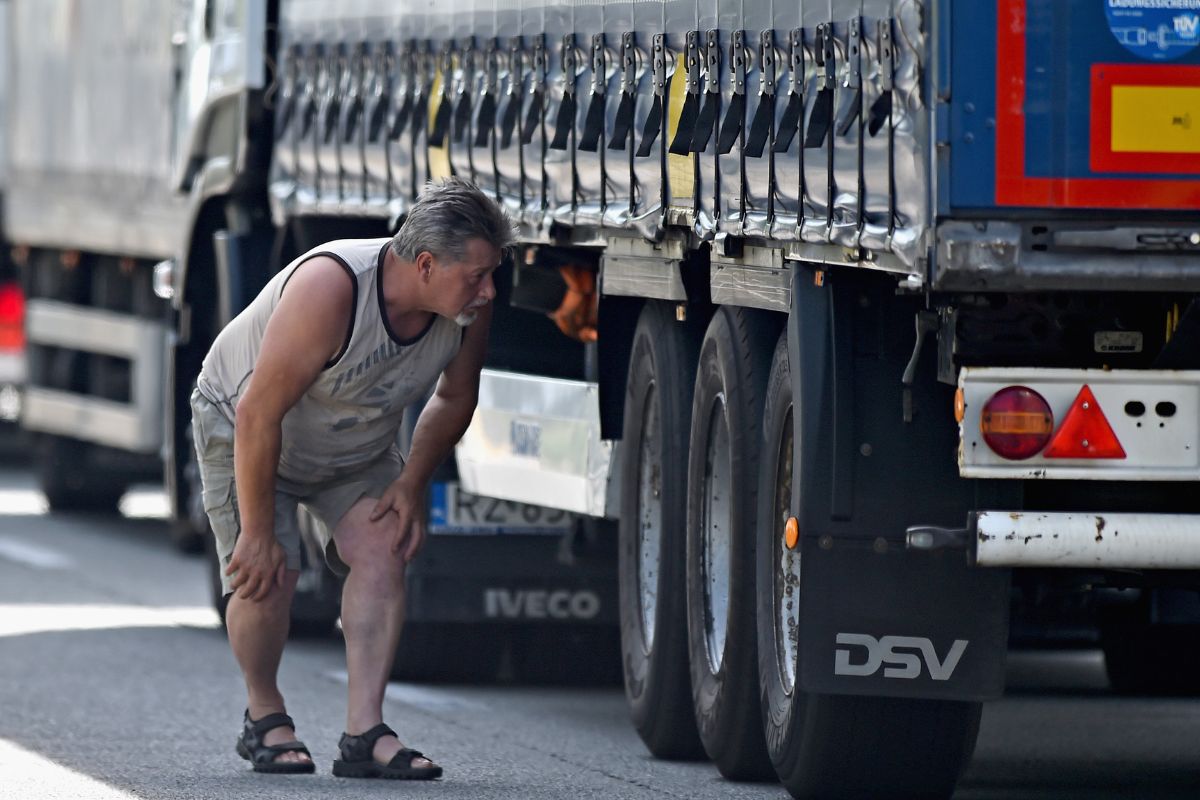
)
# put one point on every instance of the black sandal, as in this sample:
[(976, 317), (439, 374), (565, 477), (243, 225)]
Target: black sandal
[(358, 761), (262, 756)]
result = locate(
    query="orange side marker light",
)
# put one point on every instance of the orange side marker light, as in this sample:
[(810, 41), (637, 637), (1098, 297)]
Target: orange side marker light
[(791, 533)]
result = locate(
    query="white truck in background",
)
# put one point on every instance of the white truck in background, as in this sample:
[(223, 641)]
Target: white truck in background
[(12, 297), (868, 321)]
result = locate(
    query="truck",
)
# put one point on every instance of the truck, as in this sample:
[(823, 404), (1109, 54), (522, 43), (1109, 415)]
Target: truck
[(138, 140), (870, 323), (12, 303)]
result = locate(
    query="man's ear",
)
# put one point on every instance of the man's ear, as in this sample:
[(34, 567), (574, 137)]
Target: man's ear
[(424, 264)]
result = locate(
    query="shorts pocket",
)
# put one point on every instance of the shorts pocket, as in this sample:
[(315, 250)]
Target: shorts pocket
[(212, 434), (216, 497)]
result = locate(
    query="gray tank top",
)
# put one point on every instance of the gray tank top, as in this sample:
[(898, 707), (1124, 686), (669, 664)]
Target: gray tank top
[(351, 414)]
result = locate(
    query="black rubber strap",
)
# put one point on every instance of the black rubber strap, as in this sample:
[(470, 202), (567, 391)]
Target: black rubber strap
[(533, 116), (681, 145), (308, 117), (881, 110), (622, 122), (376, 119), (820, 120), (731, 128), (593, 124), (400, 118), (353, 115), (462, 115), (564, 122), (286, 112), (789, 123), (332, 113), (705, 122), (441, 123), (760, 128), (850, 113), (486, 119), (652, 127), (508, 122), (420, 113)]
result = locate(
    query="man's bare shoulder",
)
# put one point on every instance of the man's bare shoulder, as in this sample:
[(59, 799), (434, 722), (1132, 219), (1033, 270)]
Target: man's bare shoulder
[(321, 278), (314, 310)]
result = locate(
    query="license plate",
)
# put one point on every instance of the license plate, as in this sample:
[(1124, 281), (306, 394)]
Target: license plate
[(452, 510)]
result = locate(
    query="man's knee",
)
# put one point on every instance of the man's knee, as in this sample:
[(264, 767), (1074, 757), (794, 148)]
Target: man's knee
[(366, 546)]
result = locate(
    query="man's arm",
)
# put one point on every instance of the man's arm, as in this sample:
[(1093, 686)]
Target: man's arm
[(306, 329), (442, 423)]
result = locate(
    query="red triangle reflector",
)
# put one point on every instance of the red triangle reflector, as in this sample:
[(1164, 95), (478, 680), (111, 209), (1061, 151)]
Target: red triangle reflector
[(1085, 432)]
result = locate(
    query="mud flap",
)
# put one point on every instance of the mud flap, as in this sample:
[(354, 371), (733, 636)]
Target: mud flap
[(886, 621)]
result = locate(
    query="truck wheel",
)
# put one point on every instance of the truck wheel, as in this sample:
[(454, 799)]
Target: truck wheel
[(721, 507), (452, 652), (834, 745), (1142, 658), (653, 482), (190, 534), (69, 480)]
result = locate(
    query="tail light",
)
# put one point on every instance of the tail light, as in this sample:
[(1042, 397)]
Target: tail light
[(12, 317), (1016, 423), (1085, 432)]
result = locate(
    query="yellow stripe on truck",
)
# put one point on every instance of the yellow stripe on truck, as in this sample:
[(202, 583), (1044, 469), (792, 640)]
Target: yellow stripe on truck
[(681, 170), (1156, 119)]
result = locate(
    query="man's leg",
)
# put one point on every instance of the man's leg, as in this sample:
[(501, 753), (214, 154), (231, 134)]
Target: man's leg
[(372, 616), (257, 633)]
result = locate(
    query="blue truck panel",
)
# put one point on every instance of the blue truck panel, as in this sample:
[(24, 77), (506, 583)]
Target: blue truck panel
[(1052, 65)]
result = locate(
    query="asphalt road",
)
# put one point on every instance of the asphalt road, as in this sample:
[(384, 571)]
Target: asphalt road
[(116, 683)]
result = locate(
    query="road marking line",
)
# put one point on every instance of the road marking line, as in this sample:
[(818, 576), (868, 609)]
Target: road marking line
[(23, 502), (145, 504), (421, 696), (30, 555), (17, 619), (28, 774)]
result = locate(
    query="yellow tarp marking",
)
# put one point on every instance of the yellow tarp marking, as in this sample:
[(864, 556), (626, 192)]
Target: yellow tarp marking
[(439, 157), (681, 175), (1156, 119)]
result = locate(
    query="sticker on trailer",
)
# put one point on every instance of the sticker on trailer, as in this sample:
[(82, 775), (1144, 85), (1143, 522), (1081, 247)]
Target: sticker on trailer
[(1156, 30), (1117, 342)]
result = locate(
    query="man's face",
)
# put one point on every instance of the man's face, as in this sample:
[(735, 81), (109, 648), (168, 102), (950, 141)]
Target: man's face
[(461, 288)]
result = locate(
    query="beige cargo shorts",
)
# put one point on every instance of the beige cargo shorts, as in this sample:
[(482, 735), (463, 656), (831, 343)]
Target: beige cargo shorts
[(326, 502)]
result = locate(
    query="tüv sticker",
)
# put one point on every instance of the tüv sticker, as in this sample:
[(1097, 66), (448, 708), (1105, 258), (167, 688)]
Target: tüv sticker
[(1157, 30)]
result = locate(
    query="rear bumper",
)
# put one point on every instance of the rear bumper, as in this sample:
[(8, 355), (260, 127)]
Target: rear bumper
[(1071, 540)]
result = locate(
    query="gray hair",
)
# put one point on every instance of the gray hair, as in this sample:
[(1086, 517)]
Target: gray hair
[(446, 216)]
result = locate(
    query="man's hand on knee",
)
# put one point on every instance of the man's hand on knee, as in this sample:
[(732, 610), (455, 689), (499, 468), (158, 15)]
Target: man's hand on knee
[(408, 504), (257, 566)]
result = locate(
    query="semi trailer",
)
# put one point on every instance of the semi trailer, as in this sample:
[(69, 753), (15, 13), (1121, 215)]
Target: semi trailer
[(869, 323)]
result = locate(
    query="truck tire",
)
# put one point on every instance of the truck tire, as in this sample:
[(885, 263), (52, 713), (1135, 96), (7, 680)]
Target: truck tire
[(450, 652), (69, 480), (190, 533), (835, 745), (651, 546), (1143, 658), (721, 508)]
